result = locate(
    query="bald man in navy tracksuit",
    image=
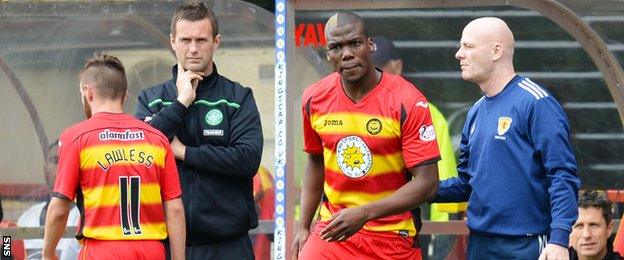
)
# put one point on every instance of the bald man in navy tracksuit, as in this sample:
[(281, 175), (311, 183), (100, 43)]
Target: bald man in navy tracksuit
[(516, 167)]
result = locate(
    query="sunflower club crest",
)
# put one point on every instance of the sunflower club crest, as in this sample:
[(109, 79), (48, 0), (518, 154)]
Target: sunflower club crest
[(354, 157), (504, 123)]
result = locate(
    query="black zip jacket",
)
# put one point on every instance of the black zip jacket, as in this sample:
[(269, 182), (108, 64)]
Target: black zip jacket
[(223, 137)]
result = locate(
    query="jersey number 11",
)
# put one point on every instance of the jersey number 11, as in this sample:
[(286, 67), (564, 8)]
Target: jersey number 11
[(129, 204)]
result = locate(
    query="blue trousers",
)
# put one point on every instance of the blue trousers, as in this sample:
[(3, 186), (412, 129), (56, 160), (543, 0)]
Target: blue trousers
[(482, 246)]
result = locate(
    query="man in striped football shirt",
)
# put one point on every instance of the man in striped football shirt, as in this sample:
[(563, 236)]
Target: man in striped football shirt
[(372, 153), (122, 174)]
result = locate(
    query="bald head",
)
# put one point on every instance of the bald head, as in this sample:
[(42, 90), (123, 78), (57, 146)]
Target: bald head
[(341, 19), (492, 30), (486, 53)]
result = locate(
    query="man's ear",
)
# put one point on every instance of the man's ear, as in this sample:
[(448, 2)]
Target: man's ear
[(217, 41), (497, 51), (610, 227), (399, 64), (89, 92), (172, 41)]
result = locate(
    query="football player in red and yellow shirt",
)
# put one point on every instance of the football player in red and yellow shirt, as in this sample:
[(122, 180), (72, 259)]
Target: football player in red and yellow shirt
[(264, 197), (122, 174), (372, 154)]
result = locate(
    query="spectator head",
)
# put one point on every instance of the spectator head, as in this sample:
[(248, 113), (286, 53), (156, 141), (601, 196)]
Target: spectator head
[(594, 225), (385, 56)]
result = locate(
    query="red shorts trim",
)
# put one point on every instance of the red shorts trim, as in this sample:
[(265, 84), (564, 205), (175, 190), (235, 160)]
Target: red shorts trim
[(363, 245), (122, 249)]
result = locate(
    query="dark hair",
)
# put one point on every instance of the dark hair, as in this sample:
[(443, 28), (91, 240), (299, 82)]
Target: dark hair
[(596, 199), (107, 74), (384, 52), (194, 11)]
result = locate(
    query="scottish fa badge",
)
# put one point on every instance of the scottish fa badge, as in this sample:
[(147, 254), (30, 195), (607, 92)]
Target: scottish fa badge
[(504, 123)]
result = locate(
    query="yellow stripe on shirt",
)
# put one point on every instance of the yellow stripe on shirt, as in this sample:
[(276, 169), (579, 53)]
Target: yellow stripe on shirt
[(382, 164), (354, 124), (104, 156), (406, 224), (109, 195), (157, 231), (353, 198)]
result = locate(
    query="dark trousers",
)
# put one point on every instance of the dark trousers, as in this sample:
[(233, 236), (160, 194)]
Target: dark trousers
[(238, 248), (482, 246)]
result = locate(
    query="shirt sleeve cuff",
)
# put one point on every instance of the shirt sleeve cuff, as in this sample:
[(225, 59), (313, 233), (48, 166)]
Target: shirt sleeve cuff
[(180, 107), (62, 195), (559, 236), (313, 151)]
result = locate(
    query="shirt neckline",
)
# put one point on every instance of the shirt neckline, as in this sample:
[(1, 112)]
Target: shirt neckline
[(367, 98)]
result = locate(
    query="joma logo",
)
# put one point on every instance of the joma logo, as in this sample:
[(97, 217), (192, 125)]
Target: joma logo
[(332, 122)]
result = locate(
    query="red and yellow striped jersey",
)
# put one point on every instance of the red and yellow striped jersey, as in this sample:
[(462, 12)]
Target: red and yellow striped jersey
[(263, 184), (368, 146), (120, 170)]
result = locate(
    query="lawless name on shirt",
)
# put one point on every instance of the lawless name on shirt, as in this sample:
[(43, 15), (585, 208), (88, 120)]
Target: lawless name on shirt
[(126, 155)]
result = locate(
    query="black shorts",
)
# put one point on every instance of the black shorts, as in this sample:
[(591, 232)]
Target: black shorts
[(235, 248)]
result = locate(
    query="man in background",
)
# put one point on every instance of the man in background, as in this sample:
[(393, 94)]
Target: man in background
[(618, 243), (264, 197), (591, 237), (67, 248), (214, 127), (387, 59)]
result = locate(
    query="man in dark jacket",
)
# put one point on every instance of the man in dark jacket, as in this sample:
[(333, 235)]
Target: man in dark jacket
[(590, 237), (216, 136)]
